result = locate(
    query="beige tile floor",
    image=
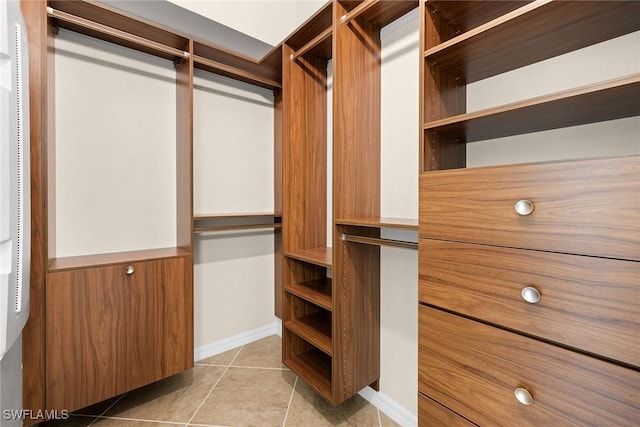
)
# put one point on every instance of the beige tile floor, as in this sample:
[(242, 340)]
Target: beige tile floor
[(246, 386)]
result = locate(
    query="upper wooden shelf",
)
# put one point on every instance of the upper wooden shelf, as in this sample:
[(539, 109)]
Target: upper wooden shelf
[(103, 260), (378, 12), (313, 37), (320, 256), (109, 24), (397, 223), (537, 31), (462, 16), (613, 99)]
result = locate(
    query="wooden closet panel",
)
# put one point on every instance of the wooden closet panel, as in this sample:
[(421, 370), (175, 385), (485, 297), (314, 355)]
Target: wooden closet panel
[(594, 299), (106, 329), (432, 414), (474, 369), (588, 207)]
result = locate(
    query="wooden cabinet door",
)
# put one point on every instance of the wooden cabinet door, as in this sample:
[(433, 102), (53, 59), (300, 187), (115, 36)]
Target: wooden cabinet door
[(109, 332)]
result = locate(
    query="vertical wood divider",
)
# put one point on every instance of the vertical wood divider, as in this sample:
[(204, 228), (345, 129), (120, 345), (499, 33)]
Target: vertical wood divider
[(356, 193), (277, 200), (184, 153)]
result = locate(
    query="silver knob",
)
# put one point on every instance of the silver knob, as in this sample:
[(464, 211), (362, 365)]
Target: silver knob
[(523, 396), (524, 207), (130, 269), (530, 295)]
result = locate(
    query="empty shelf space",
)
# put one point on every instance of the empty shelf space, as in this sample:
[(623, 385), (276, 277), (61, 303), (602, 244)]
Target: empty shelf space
[(228, 222), (613, 99), (315, 367), (397, 223), (532, 33), (319, 256), (316, 291), (314, 328), (320, 45), (100, 260)]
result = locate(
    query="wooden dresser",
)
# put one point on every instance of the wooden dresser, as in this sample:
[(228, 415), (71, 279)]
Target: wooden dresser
[(529, 291), (529, 275)]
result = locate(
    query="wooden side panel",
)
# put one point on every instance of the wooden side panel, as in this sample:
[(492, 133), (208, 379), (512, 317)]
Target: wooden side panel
[(184, 154), (356, 181), (277, 200), (33, 336), (588, 207), (474, 369)]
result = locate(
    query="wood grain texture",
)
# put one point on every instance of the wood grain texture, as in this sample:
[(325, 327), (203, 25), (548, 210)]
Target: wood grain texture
[(432, 414), (33, 335), (356, 181), (316, 291), (586, 207), (311, 28), (109, 332), (613, 99), (381, 222), (184, 153), (277, 200), (473, 369), (541, 29), (101, 260), (319, 256), (309, 363), (593, 299), (465, 15), (378, 12)]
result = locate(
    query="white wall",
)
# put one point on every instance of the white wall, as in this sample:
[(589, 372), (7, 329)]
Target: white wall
[(233, 173), (115, 148), (604, 61), (399, 198)]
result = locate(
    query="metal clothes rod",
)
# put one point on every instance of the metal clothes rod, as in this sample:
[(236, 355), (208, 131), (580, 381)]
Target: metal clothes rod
[(235, 71), (377, 241), (312, 43), (358, 11), (85, 23)]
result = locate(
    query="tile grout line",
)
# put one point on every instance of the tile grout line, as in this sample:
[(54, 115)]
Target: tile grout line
[(213, 388), (295, 383), (142, 420), (107, 410)]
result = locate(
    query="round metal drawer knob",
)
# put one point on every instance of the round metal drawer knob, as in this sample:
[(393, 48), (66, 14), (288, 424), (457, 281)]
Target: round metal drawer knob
[(130, 269), (524, 207), (530, 295), (523, 396)]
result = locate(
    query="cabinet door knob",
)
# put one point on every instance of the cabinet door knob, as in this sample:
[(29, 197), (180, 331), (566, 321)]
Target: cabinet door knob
[(523, 396), (530, 295), (130, 269), (524, 207)]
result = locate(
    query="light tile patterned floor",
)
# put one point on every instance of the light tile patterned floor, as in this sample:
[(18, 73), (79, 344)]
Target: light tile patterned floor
[(246, 386)]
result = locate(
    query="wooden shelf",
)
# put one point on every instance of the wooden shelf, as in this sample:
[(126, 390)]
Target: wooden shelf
[(103, 22), (396, 223), (102, 260), (380, 12), (532, 33), (315, 367), (228, 222), (608, 100), (314, 33), (464, 15), (314, 328), (319, 256), (317, 292), (234, 72), (320, 46)]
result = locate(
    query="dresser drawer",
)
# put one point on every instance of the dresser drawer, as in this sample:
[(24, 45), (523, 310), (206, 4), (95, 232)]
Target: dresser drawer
[(432, 414), (584, 302), (475, 369), (589, 207)]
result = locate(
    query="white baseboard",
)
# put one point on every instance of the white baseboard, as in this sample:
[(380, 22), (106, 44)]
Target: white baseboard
[(227, 344), (391, 408)]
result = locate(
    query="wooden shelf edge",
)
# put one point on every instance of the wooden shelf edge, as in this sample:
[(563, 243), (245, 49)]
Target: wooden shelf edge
[(103, 260), (316, 380), (235, 227), (317, 40), (236, 215), (308, 291), (381, 222), (319, 256), (233, 72), (459, 124), (311, 335)]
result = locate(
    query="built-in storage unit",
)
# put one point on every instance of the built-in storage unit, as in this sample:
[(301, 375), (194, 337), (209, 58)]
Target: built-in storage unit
[(113, 223), (528, 273), (331, 316)]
